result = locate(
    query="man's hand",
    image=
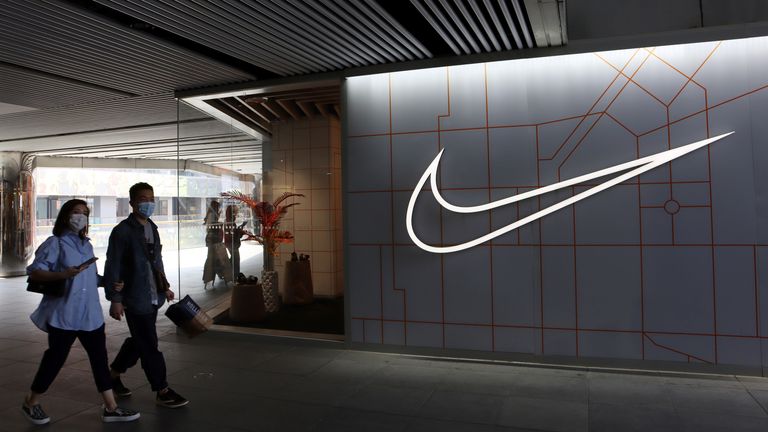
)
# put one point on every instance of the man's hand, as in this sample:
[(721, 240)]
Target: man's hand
[(169, 295), (116, 311)]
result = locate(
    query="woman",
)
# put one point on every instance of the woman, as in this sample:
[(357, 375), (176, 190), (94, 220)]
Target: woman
[(232, 235), (216, 263), (75, 315)]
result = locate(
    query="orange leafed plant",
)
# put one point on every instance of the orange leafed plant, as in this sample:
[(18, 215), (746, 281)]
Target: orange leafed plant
[(269, 215)]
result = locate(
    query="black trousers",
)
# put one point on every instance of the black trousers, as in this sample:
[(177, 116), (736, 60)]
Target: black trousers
[(142, 345), (59, 343)]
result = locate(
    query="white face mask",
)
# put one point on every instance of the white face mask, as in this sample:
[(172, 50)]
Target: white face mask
[(77, 222)]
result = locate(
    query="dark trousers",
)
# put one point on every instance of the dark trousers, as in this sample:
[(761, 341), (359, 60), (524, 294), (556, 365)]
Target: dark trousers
[(234, 259), (59, 343), (142, 345)]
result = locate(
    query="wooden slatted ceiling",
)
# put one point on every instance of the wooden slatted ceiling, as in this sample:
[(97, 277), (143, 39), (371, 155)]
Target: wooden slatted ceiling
[(260, 111)]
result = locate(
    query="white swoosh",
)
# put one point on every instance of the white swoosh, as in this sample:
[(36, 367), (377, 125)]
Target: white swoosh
[(644, 164)]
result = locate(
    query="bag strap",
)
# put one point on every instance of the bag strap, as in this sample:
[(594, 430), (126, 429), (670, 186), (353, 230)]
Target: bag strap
[(58, 255)]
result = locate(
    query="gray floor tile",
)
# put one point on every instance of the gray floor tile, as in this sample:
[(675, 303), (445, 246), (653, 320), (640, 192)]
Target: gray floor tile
[(18, 372), (387, 399), (761, 396), (347, 420), (715, 400), (757, 383), (462, 407), (322, 392), (555, 387), (543, 414), (289, 363), (702, 421), (631, 391), (423, 424), (237, 381), (26, 352), (632, 418), (500, 384), (345, 371), (719, 381), (411, 376), (6, 344)]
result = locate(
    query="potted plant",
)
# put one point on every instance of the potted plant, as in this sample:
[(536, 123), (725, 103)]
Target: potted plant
[(269, 235)]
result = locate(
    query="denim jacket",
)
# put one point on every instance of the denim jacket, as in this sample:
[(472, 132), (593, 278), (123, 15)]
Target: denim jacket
[(127, 257)]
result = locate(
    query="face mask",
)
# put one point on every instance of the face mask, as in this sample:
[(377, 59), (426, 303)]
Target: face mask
[(77, 222), (146, 209)]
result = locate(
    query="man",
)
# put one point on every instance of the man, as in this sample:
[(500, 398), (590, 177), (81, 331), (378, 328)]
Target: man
[(134, 257)]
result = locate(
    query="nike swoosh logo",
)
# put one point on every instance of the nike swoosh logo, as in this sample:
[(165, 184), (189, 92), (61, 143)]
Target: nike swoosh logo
[(640, 166)]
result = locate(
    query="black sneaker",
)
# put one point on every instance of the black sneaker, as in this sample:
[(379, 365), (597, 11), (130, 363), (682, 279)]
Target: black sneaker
[(119, 415), (35, 414), (119, 389), (170, 399)]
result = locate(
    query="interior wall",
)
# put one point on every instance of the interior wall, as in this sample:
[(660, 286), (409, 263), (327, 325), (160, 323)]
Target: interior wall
[(306, 159), (670, 266)]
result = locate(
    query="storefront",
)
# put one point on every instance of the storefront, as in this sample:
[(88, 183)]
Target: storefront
[(667, 266)]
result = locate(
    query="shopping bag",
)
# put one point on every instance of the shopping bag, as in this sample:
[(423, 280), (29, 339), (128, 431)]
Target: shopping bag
[(188, 316)]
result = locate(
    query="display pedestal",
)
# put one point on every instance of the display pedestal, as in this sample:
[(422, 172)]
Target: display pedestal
[(298, 283), (247, 303)]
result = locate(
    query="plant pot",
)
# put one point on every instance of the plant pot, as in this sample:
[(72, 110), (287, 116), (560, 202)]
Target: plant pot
[(247, 303)]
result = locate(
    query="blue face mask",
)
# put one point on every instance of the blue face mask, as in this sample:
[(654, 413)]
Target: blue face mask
[(146, 209)]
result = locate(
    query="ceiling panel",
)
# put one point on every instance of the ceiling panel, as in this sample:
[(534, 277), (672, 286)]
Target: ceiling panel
[(21, 86), (61, 39), (288, 37), (126, 112), (100, 75)]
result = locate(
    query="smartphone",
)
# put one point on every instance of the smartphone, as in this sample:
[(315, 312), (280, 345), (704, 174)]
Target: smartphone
[(89, 262)]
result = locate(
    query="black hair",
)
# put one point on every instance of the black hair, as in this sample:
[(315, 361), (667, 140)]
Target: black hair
[(138, 187), (62, 219)]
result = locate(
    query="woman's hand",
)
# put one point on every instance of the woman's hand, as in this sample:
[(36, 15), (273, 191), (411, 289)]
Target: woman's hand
[(71, 272), (50, 276), (169, 295)]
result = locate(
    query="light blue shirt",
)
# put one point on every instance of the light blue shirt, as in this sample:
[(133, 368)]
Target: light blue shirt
[(79, 308)]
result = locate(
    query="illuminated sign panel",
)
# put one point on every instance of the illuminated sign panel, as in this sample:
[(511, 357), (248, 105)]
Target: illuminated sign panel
[(637, 167)]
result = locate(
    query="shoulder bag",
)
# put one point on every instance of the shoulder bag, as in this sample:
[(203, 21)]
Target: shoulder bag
[(55, 288)]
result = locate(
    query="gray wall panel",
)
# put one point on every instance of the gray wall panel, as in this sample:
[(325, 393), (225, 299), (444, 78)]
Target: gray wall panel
[(634, 272), (516, 276), (467, 296), (609, 291)]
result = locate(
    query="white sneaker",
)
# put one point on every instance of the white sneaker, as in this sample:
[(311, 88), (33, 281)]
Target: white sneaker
[(207, 285)]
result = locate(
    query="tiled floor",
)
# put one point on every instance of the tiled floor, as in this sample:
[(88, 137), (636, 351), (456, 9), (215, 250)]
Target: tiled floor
[(240, 383)]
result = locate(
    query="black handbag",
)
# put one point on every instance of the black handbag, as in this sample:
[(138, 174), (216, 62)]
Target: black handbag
[(55, 288)]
